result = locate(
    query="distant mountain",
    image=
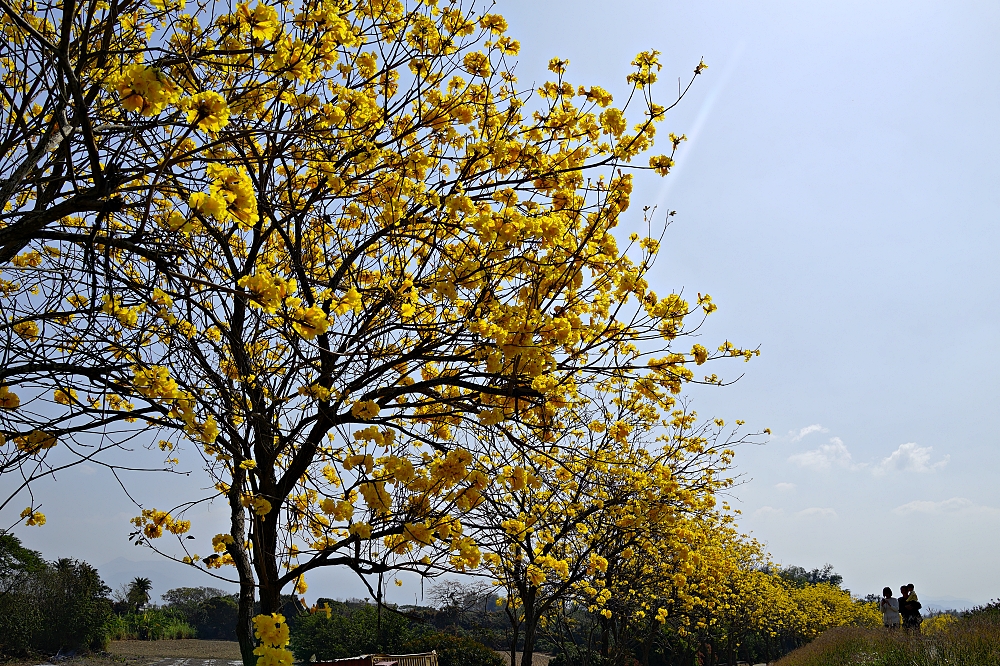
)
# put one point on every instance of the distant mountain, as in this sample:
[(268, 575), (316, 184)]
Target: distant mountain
[(164, 574), (947, 603)]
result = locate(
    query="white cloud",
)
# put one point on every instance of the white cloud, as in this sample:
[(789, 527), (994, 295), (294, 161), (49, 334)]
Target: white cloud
[(953, 506), (826, 456), (906, 458), (817, 512), (909, 458), (806, 431), (785, 487), (768, 512)]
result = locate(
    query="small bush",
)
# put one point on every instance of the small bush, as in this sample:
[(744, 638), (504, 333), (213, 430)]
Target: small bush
[(577, 655), (454, 650), (347, 632), (150, 625)]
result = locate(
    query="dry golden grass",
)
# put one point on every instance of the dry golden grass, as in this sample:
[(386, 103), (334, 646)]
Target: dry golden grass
[(967, 642)]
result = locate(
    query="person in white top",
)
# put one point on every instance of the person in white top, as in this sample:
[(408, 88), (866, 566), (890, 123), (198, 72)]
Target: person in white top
[(889, 606)]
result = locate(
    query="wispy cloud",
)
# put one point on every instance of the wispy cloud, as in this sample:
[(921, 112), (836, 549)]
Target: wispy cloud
[(955, 505), (768, 512), (817, 512), (807, 431), (826, 456), (909, 458), (785, 487), (906, 458)]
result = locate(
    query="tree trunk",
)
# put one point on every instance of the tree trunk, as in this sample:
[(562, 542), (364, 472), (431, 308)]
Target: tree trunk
[(605, 637), (238, 551), (530, 626), (647, 644), (244, 624)]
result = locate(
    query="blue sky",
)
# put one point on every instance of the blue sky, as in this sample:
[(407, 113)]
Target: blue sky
[(838, 198)]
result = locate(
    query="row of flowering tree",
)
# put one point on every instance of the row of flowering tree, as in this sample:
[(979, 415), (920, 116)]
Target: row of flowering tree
[(334, 254)]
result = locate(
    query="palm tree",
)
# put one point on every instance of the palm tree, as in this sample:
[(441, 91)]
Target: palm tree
[(138, 592)]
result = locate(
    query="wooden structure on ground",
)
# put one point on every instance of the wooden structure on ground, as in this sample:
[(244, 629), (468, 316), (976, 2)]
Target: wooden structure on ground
[(422, 659)]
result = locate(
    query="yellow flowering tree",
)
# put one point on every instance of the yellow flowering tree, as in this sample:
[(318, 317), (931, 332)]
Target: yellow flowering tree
[(586, 521), (337, 242)]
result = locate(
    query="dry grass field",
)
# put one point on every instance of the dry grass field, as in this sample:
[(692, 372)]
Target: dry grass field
[(968, 642)]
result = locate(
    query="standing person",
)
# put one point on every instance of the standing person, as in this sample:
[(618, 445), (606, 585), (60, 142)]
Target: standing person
[(890, 609), (914, 606), (904, 608)]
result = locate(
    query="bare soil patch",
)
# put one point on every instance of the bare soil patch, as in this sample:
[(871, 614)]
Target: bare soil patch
[(178, 649), (88, 660), (536, 659)]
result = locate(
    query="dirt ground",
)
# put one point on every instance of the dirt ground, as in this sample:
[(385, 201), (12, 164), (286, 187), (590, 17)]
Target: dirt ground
[(90, 660), (536, 659), (182, 649), (144, 653)]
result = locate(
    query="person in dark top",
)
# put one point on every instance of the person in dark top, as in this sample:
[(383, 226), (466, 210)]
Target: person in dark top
[(914, 605), (904, 609)]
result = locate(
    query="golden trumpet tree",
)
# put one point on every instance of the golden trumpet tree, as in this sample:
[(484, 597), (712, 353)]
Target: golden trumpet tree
[(671, 578), (343, 241), (583, 522)]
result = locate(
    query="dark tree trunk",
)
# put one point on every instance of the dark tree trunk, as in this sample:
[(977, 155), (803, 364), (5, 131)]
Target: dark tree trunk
[(605, 637), (530, 627), (244, 624), (238, 551)]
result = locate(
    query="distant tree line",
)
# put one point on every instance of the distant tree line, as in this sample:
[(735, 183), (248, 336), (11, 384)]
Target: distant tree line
[(765, 612), (63, 606), (49, 606)]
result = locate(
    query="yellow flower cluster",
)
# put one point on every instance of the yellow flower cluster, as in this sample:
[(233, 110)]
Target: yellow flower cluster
[(8, 399), (126, 316), (34, 518), (230, 196), (261, 21), (272, 632), (206, 111), (27, 330), (154, 382), (220, 541), (260, 505), (145, 89), (154, 521), (267, 291), (35, 442), (365, 410)]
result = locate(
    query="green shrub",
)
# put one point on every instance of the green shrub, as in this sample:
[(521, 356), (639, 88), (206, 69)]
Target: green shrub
[(347, 632), (216, 618), (454, 650), (577, 655), (209, 610), (150, 625)]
